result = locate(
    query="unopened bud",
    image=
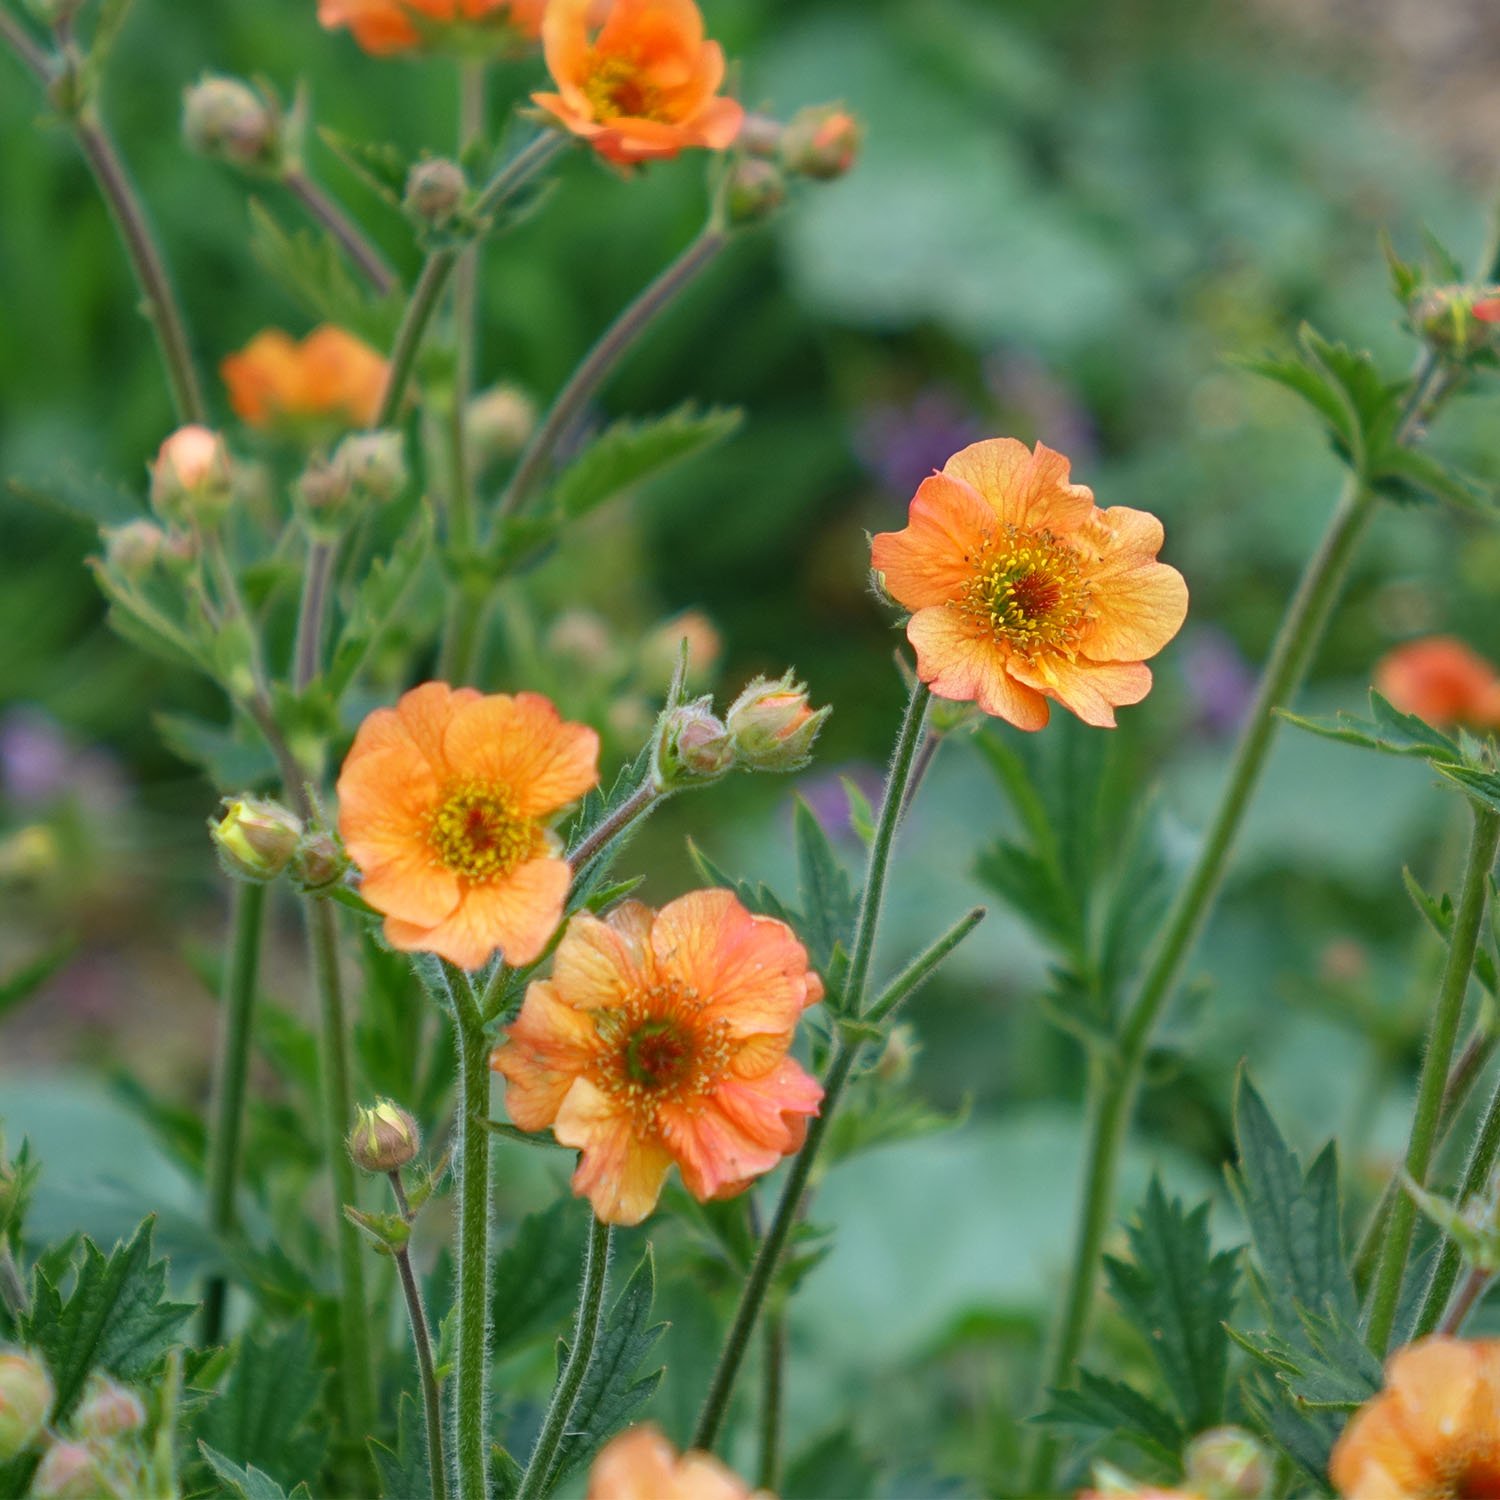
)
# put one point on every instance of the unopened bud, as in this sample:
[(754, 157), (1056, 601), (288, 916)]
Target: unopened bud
[(227, 119), (754, 191), (435, 191), (773, 725), (108, 1411), (133, 550), (256, 838), (323, 489), (1228, 1463), (372, 465), (320, 861), (760, 135), (384, 1138), (500, 420), (821, 142), (191, 478), (692, 744), (26, 1396), (900, 1053), (1456, 320), (69, 1471)]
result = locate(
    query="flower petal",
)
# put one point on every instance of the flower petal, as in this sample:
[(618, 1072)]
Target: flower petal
[(601, 964), (760, 1107), (1025, 488), (549, 1046), (931, 560), (711, 1149), (1091, 689), (1137, 613), (960, 661), (620, 1173), (524, 744)]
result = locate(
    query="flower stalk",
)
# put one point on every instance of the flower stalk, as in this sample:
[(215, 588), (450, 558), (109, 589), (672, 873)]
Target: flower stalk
[(421, 1337), (326, 210)]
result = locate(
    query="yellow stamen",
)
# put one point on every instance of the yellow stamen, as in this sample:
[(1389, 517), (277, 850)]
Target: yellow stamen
[(659, 1050), (477, 832), (1028, 588), (616, 87)]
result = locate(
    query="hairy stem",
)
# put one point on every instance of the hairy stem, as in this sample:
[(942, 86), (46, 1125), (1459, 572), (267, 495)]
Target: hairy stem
[(312, 612), (922, 967), (540, 1467), (328, 212), (773, 1370), (225, 1133), (773, 1242), (421, 1338), (1474, 1287), (608, 828)]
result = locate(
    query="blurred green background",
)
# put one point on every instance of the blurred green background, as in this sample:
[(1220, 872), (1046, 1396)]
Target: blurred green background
[(1068, 220)]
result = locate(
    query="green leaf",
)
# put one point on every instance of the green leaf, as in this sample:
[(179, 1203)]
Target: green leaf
[(249, 1483), (1388, 730), (1097, 1409), (1407, 474), (232, 761), (833, 1465), (824, 889), (1439, 916), (383, 165), (612, 1392), (630, 452), (536, 1278), (27, 978), (759, 898), (1179, 1294), (116, 1318), (263, 1412), (90, 498), (403, 1472)]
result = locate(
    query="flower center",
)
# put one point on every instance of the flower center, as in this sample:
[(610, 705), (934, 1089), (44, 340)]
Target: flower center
[(477, 832), (658, 1049), (1029, 590), (615, 87)]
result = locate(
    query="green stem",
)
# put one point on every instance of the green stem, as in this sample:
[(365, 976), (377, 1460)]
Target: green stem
[(437, 268), (773, 1242), (1463, 942), (307, 652), (31, 56), (600, 362), (421, 1338), (235, 1025), (316, 199), (541, 1466), (608, 828), (358, 1374), (472, 1155), (773, 1371), (1475, 1284), (922, 968)]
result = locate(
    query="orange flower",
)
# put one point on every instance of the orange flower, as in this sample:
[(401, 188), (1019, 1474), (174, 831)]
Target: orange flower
[(645, 87), (329, 374), (385, 26), (1433, 1433), (662, 1037), (443, 803), (640, 1464), (1022, 589), (1442, 680)]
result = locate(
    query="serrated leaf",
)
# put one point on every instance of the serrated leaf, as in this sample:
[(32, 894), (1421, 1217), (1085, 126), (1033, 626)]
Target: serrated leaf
[(630, 452), (758, 898), (382, 164), (91, 498), (1388, 730), (536, 1278), (612, 1392), (115, 1318), (1097, 1409), (1179, 1294), (824, 889), (249, 1483), (1408, 474), (1439, 916), (402, 1471), (263, 1412)]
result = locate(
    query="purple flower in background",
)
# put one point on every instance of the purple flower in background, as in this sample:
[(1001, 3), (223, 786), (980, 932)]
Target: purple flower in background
[(901, 443), (828, 798), (40, 765), (1021, 383), (1219, 680)]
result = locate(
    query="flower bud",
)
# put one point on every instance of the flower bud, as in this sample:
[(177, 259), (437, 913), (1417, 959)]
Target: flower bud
[(760, 135), (372, 465), (1228, 1463), (500, 420), (773, 726), (435, 191), (26, 1397), (320, 861), (692, 744), (323, 489), (754, 191), (227, 119), (901, 1049), (821, 142), (108, 1411), (581, 639), (70, 1471), (256, 838), (191, 478), (1456, 320), (133, 550), (384, 1138)]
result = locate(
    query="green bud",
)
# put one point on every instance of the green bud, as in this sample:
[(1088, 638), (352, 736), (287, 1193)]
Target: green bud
[(692, 744), (132, 551), (320, 861), (1228, 1463), (372, 465), (821, 142), (227, 119), (435, 191), (384, 1139), (108, 1411), (1456, 320), (71, 1471), (256, 838), (500, 420), (191, 480), (754, 191), (773, 726), (26, 1397)]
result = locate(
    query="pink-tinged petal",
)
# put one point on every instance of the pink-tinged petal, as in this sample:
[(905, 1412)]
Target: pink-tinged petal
[(711, 1149), (601, 964), (1091, 689), (960, 660), (550, 1044), (759, 1107), (524, 745), (620, 1173), (932, 560), (1025, 488)]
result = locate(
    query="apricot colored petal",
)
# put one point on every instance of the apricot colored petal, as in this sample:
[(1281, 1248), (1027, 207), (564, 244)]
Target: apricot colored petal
[(418, 721), (718, 123), (524, 744), (711, 1149), (549, 1045), (957, 660), (759, 1107), (1025, 488), (409, 887), (759, 1053), (1437, 1382), (640, 1464), (700, 1476), (626, 139), (750, 970), (565, 39), (620, 1173), (936, 554), (647, 26), (1091, 689), (1379, 1456), (600, 964), (1124, 537), (263, 377), (1136, 613)]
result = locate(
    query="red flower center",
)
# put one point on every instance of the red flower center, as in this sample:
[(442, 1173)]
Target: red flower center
[(1028, 589), (615, 87), (658, 1054), (658, 1049)]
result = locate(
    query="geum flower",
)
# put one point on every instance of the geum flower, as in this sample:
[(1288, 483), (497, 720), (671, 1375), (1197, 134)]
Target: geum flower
[(662, 1037), (645, 86), (1433, 1433), (1023, 590), (274, 380), (444, 802), (1440, 679), (386, 26), (640, 1464)]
